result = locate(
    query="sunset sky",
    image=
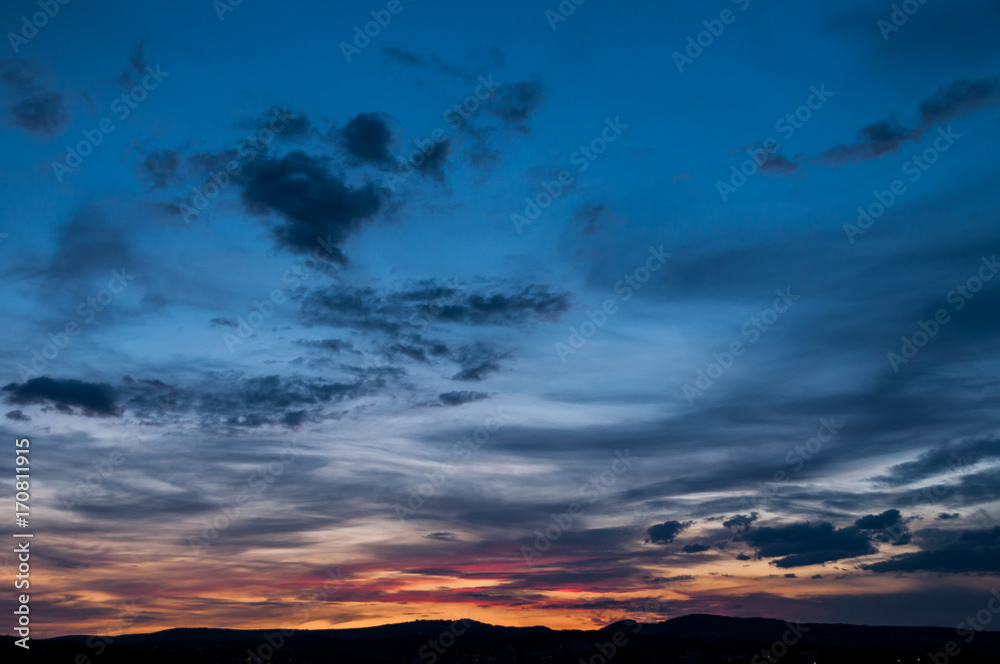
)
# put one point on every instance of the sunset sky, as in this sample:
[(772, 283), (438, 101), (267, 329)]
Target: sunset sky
[(502, 311)]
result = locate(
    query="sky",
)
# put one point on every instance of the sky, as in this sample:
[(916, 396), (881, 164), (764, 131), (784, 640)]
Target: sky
[(342, 314)]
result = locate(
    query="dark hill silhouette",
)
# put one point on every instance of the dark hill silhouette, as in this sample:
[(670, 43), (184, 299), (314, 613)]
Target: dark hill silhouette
[(698, 638)]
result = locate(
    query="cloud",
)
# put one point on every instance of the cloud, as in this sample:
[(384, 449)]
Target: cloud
[(946, 458), (960, 98), (314, 204), (137, 65), (443, 536), (94, 399), (972, 552), (664, 533), (332, 345), (878, 139), (462, 397), (801, 544), (779, 164), (946, 516), (879, 521), (695, 548), (224, 402), (32, 108), (295, 125), (159, 169), (434, 163), (478, 360), (402, 56), (89, 244), (419, 304), (592, 216), (517, 102), (17, 416), (740, 521), (366, 139)]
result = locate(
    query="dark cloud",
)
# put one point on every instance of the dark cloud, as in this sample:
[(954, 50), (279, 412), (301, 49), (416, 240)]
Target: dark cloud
[(30, 107), (221, 401), (508, 308), (159, 169), (478, 360), (517, 102), (879, 521), (136, 66), (961, 97), (947, 458), (89, 244), (946, 516), (94, 399), (801, 544), (779, 164), (292, 125), (314, 204), (402, 56), (462, 397), (664, 533), (443, 536), (434, 163), (332, 345), (740, 521), (881, 138), (424, 303), (972, 552), (592, 216), (366, 138), (17, 416), (695, 548)]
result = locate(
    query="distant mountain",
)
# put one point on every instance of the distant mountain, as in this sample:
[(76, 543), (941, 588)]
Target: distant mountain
[(697, 638)]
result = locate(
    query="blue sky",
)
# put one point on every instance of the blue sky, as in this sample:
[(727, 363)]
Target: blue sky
[(809, 393)]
